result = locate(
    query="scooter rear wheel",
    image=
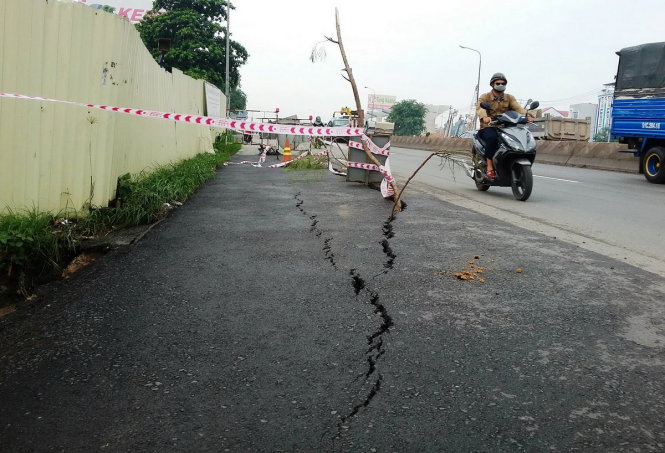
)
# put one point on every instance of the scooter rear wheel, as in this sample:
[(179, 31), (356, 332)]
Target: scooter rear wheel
[(522, 182)]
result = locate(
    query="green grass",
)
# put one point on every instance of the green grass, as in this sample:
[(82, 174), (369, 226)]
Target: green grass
[(141, 198), (33, 243), (309, 163)]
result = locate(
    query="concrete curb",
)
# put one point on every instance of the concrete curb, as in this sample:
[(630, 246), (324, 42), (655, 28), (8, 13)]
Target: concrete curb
[(599, 156)]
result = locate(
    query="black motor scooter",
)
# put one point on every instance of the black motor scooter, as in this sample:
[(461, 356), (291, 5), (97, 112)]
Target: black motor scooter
[(513, 159)]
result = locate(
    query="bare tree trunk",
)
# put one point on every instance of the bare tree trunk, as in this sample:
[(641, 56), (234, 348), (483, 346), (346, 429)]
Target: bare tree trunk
[(361, 115), (349, 72)]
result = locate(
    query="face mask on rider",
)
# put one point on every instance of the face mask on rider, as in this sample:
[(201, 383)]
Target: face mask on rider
[(500, 87)]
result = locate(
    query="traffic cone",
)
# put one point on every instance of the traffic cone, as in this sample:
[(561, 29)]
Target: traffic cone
[(286, 155)]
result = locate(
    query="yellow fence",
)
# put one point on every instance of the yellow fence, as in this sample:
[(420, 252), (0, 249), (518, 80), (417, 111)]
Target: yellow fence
[(56, 156)]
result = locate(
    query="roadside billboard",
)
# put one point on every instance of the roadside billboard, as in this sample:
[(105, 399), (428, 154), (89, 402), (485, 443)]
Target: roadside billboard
[(381, 101), (215, 101), (133, 10)]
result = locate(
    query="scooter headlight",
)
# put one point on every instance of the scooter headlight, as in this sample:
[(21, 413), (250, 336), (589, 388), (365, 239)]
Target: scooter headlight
[(530, 142), (511, 141)]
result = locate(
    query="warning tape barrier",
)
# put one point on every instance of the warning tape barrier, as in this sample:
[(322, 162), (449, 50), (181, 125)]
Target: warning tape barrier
[(380, 168), (373, 148), (246, 126), (224, 123), (262, 159), (284, 164)]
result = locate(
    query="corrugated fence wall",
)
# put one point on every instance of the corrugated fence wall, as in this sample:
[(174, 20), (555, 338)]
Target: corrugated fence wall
[(56, 156)]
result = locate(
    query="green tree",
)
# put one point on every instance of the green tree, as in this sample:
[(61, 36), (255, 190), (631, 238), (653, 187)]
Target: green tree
[(603, 135), (409, 117), (238, 99), (198, 42)]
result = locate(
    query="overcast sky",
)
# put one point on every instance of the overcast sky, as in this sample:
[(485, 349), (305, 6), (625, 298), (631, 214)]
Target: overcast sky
[(557, 51)]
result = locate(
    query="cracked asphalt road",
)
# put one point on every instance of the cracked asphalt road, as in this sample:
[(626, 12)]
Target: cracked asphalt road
[(286, 311)]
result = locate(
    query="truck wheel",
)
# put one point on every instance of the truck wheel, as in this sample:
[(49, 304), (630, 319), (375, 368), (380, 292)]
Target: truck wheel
[(654, 165)]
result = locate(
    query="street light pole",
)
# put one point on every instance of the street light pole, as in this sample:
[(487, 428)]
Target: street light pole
[(228, 32), (480, 63), (373, 101)]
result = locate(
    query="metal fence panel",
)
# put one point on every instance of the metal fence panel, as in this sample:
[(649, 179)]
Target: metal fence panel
[(58, 157)]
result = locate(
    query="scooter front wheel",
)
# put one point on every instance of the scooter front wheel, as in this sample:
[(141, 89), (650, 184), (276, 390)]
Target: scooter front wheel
[(482, 187), (522, 182)]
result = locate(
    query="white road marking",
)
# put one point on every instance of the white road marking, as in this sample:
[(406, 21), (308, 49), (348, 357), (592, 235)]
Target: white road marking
[(556, 179)]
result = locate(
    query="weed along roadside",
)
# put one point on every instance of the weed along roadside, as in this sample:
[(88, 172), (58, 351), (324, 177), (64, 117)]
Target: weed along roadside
[(36, 247)]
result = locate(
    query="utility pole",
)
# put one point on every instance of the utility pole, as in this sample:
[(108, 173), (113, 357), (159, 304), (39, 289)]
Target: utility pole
[(477, 94), (451, 122), (228, 32), (373, 103)]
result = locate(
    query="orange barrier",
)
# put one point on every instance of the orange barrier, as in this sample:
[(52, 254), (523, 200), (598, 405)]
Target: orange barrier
[(286, 156)]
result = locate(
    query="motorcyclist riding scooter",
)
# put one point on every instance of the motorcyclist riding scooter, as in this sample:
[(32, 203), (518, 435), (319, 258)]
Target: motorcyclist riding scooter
[(504, 148)]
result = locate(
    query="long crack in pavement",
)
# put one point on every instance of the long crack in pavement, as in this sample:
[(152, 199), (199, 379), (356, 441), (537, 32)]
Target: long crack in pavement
[(327, 248), (375, 342)]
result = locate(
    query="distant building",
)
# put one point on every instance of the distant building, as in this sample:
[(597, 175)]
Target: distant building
[(433, 112), (458, 127), (604, 116), (554, 113), (584, 111)]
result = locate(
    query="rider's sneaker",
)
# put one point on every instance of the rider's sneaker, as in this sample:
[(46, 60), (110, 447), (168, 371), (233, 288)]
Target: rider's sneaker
[(491, 174)]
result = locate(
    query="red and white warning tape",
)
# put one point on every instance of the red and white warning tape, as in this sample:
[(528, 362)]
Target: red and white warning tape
[(374, 149), (245, 126), (224, 123), (262, 159), (386, 186), (385, 171), (307, 153)]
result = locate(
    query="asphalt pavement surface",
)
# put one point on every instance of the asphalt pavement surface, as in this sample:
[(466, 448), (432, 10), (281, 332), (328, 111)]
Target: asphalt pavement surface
[(612, 213), (288, 311)]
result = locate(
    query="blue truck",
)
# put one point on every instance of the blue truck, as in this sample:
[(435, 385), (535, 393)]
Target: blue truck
[(638, 107)]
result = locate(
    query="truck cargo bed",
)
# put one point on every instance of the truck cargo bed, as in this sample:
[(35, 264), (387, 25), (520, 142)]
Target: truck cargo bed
[(560, 129), (638, 117)]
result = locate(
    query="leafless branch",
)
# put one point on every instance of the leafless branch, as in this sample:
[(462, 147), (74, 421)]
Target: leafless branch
[(446, 157), (398, 196), (450, 160), (318, 52)]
